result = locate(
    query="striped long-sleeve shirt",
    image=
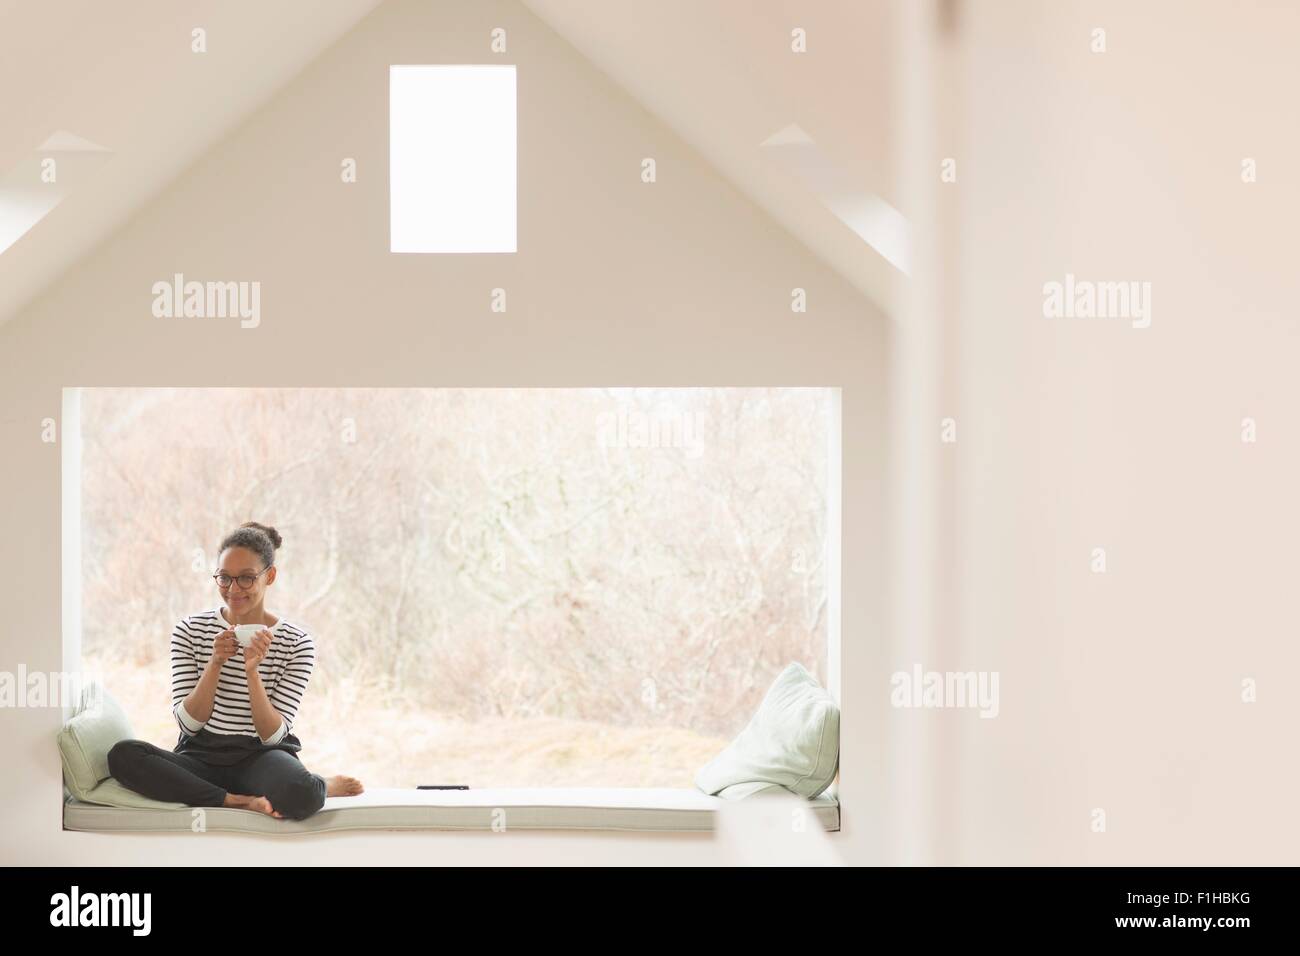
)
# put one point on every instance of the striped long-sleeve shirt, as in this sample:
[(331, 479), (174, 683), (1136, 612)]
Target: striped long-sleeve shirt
[(229, 734)]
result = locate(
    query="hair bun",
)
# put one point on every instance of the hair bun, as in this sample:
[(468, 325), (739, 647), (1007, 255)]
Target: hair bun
[(270, 532)]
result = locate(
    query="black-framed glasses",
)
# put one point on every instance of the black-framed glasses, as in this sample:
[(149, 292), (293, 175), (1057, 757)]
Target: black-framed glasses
[(245, 580)]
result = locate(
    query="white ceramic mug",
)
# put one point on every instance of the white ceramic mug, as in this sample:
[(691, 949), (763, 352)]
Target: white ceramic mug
[(244, 632)]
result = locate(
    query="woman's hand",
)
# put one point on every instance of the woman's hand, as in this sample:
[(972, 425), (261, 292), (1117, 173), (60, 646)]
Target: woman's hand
[(256, 650), (224, 647)]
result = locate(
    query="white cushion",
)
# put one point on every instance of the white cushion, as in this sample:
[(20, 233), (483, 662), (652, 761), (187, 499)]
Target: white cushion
[(793, 741), (754, 788), (87, 737)]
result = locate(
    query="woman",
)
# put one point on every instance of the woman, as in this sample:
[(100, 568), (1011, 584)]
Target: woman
[(235, 707)]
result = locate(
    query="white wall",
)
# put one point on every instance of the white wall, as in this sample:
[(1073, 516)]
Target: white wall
[(1122, 690), (615, 282)]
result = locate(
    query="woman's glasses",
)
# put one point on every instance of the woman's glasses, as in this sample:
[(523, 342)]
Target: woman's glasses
[(245, 580)]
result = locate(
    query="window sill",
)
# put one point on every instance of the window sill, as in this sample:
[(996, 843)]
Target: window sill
[(542, 808)]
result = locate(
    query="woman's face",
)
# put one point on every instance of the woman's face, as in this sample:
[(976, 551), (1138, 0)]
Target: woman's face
[(237, 561)]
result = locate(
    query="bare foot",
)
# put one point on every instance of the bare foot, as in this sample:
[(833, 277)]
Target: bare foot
[(342, 786), (259, 804)]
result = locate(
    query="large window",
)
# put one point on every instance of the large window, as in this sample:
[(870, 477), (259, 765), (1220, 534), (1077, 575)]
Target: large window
[(507, 587)]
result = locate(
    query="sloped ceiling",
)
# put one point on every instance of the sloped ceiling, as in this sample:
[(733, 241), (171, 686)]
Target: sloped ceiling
[(125, 77), (721, 74)]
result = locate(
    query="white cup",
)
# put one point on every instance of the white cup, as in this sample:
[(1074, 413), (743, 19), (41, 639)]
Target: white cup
[(244, 632)]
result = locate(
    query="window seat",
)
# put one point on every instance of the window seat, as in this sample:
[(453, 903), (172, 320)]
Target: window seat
[(547, 808)]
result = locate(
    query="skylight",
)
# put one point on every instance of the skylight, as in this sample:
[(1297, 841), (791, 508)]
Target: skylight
[(452, 137)]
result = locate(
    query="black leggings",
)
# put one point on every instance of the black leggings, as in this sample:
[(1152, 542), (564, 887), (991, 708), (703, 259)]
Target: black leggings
[(160, 774)]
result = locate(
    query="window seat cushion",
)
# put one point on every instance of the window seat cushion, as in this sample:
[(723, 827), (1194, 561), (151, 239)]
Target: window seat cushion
[(93, 800), (546, 808)]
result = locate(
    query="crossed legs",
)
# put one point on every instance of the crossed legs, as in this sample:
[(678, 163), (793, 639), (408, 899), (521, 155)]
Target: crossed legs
[(163, 775), (271, 781), (293, 790)]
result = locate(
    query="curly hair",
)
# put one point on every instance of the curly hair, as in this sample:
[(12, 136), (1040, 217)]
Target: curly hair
[(261, 539)]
